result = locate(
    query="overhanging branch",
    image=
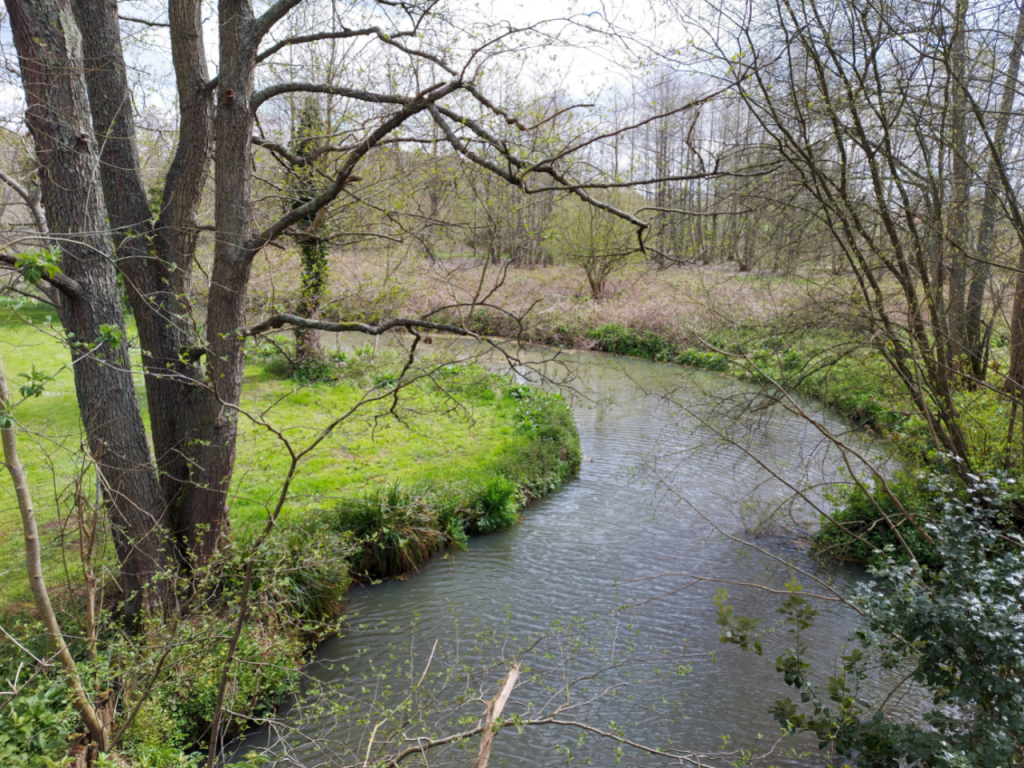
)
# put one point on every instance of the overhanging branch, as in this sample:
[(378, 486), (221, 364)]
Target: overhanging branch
[(412, 324)]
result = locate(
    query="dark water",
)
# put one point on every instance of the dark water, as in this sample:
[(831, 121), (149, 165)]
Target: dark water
[(677, 467)]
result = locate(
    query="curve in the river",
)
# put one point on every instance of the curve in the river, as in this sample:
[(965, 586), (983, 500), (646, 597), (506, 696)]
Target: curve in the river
[(660, 492)]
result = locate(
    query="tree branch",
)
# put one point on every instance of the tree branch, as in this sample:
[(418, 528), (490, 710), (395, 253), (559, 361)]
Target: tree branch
[(337, 90), (271, 16), (294, 321), (314, 37), (60, 281), (31, 200), (144, 22), (419, 103)]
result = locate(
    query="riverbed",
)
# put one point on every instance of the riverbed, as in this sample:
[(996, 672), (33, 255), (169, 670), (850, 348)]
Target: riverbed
[(692, 483)]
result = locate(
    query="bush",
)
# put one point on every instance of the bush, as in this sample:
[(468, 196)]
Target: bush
[(499, 506), (857, 512), (179, 711), (305, 573), (34, 729)]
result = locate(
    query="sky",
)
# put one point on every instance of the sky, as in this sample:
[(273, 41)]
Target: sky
[(583, 64)]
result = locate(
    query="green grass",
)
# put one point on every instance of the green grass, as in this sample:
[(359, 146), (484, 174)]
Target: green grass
[(453, 433)]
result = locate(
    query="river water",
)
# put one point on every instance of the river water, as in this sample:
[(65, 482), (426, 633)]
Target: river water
[(599, 583)]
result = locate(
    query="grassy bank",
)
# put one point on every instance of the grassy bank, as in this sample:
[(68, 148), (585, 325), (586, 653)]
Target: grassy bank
[(452, 433), (459, 451), (803, 330)]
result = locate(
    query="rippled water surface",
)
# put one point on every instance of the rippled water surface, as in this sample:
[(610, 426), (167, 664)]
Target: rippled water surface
[(671, 475)]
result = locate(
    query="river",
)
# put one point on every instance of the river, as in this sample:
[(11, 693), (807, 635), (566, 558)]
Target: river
[(584, 576)]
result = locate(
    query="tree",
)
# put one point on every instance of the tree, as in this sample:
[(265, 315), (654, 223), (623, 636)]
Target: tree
[(312, 246), (169, 507), (594, 241), (886, 116)]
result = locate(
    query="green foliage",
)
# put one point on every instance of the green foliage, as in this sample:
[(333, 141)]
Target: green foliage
[(623, 340), (35, 382), (736, 629), (394, 527), (34, 729), (155, 757), (865, 514), (313, 370), (499, 505), (551, 454), (957, 631), (180, 709), (304, 572), (709, 361), (36, 265)]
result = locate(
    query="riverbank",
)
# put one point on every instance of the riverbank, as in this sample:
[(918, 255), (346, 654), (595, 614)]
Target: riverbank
[(803, 332), (416, 468)]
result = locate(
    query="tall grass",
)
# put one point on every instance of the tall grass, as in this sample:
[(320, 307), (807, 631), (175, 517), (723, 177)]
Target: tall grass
[(395, 528)]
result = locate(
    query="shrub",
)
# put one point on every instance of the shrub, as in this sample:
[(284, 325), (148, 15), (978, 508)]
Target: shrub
[(855, 511), (304, 573), (33, 729), (499, 506), (314, 370), (181, 707)]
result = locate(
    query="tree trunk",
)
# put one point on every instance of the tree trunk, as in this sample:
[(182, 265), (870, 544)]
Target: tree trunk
[(308, 345), (202, 513), (157, 270), (49, 52), (958, 236), (989, 208)]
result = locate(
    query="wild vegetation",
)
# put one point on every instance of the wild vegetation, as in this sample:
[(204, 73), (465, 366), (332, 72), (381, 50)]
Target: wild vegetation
[(820, 199)]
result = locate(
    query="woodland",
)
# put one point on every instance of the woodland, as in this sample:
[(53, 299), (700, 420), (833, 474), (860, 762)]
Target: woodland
[(289, 291)]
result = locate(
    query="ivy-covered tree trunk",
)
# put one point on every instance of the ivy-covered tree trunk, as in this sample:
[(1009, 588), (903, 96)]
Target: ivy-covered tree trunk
[(308, 344), (309, 132)]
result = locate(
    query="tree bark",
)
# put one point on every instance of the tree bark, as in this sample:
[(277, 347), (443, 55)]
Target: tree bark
[(202, 514), (156, 261), (49, 52)]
